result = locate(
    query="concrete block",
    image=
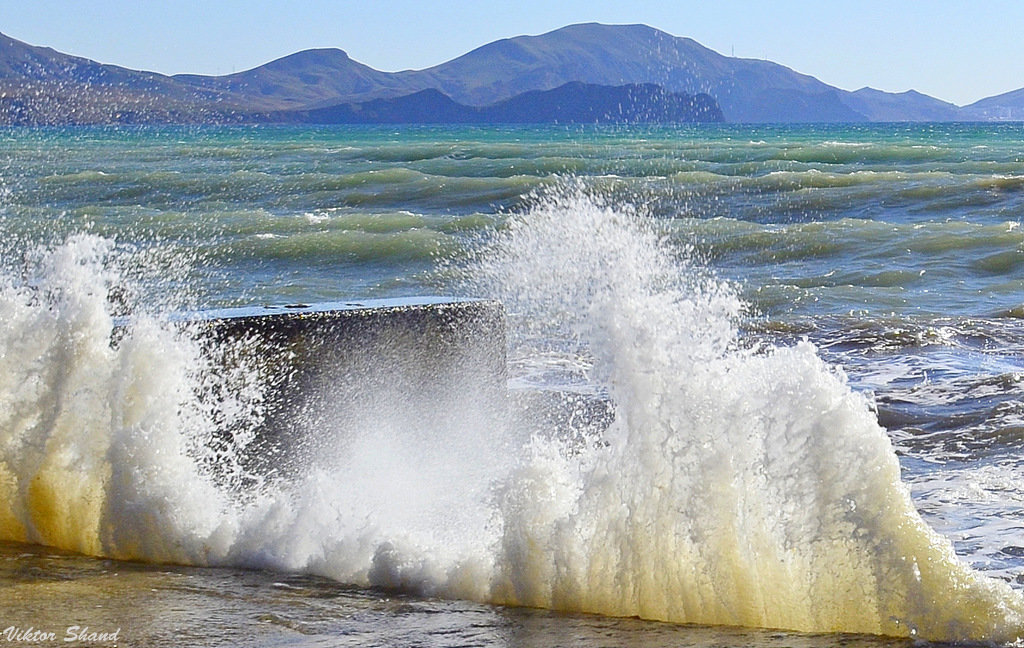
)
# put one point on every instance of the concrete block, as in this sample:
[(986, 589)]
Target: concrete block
[(334, 369)]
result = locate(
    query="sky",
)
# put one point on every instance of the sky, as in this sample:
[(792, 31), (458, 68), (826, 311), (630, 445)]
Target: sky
[(958, 51)]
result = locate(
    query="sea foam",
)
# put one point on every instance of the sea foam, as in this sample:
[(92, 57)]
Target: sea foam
[(738, 484)]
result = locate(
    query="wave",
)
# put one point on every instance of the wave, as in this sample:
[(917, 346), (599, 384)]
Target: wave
[(735, 486), (334, 247), (940, 267), (739, 487)]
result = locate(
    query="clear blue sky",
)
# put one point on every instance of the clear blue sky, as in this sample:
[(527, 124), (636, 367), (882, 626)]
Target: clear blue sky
[(959, 50)]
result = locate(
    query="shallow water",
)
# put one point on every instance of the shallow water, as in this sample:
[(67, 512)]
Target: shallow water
[(160, 606)]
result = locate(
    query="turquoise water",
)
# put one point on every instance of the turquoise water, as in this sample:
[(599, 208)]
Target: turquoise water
[(906, 219), (897, 250)]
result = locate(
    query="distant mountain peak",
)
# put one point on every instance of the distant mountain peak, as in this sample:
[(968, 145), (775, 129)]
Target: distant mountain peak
[(597, 28), (867, 90), (315, 56)]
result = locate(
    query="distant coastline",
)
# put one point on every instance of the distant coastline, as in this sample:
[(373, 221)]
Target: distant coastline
[(573, 103), (586, 73)]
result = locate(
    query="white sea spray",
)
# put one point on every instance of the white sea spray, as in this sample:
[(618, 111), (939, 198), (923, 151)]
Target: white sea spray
[(737, 485)]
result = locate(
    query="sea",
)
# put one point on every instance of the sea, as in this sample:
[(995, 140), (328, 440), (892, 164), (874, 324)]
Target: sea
[(808, 339)]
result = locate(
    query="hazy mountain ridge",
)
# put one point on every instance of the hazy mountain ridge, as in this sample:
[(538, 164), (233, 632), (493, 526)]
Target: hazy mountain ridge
[(573, 102), (41, 86), (889, 106), (304, 79), (1008, 106)]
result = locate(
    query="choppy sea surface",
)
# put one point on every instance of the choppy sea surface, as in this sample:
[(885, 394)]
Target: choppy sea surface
[(812, 337)]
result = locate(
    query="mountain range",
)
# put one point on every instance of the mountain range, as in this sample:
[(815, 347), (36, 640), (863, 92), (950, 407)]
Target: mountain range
[(591, 66), (573, 102)]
